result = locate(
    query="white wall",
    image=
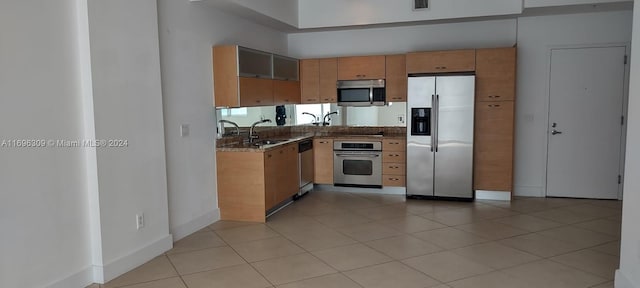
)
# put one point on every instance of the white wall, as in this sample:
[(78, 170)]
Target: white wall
[(628, 276), (536, 35), (43, 204), (188, 30), (403, 39), (127, 102), (551, 3), (282, 10), (331, 13)]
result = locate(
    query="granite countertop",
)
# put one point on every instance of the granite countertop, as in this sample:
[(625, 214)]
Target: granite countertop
[(292, 138), (252, 147)]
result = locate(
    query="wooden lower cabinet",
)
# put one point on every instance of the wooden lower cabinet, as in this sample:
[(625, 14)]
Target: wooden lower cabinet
[(493, 164), (394, 162), (250, 183), (323, 161), (281, 166)]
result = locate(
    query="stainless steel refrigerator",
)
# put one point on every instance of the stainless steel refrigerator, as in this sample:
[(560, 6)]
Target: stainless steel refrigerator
[(440, 137)]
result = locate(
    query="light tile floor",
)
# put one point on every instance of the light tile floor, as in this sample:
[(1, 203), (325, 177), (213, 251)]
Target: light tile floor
[(332, 239)]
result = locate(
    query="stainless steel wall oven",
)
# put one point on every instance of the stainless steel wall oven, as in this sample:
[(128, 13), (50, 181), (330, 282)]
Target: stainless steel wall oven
[(357, 163)]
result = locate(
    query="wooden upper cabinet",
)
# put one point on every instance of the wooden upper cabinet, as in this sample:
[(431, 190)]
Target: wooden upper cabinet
[(396, 78), (309, 81), (361, 67), (496, 74), (285, 68), (328, 78), (493, 165), (318, 80), (225, 76), (441, 61), (255, 92), (286, 92), (244, 77)]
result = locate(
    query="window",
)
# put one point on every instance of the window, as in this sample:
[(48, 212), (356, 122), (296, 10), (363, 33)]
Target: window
[(234, 112)]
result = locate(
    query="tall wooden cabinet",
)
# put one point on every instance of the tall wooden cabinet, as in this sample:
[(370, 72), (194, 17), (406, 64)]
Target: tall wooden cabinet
[(323, 161), (396, 78), (494, 129)]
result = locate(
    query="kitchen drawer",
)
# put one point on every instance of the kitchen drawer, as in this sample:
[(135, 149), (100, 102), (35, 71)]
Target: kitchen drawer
[(393, 180), (394, 168), (394, 157), (394, 145)]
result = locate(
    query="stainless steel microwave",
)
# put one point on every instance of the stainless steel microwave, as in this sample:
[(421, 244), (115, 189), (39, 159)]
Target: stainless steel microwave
[(361, 93)]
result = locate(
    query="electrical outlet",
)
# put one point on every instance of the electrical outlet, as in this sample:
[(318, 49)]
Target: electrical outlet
[(139, 221), (184, 130)]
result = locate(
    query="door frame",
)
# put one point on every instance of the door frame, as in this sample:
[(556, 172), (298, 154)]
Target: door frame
[(625, 101)]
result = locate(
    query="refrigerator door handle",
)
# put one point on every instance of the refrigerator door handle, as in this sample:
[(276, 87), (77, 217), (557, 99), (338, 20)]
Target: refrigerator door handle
[(432, 122), (437, 109)]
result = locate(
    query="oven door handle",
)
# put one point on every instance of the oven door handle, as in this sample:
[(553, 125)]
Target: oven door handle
[(357, 155)]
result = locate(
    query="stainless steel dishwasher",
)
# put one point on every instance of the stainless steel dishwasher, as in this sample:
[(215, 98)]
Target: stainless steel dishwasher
[(305, 162)]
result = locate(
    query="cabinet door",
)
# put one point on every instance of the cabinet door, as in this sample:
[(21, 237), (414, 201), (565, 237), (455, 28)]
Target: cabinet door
[(361, 67), (495, 74), (396, 78), (323, 161), (270, 178), (225, 76), (494, 146), (441, 61), (287, 172), (285, 68), (286, 92), (254, 63), (309, 81), (328, 79), (256, 92)]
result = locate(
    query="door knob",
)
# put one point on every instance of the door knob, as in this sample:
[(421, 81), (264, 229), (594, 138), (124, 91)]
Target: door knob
[(554, 132)]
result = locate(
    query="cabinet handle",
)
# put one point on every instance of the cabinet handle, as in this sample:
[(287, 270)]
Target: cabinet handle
[(494, 96), (257, 101), (494, 105)]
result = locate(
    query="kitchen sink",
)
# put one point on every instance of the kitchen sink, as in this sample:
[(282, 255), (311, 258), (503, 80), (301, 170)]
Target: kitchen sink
[(268, 142)]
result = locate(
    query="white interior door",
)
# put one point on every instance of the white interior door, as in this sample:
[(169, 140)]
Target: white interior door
[(586, 89)]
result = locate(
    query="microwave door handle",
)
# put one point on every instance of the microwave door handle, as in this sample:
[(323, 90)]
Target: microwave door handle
[(371, 95)]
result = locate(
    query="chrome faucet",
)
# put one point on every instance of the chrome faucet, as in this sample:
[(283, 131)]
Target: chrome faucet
[(252, 135), (229, 122), (324, 120), (315, 118)]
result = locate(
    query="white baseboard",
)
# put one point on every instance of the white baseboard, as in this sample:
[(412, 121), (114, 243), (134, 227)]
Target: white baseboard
[(528, 191), (383, 190), (194, 225), (117, 267), (622, 281), (83, 278), (493, 195)]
